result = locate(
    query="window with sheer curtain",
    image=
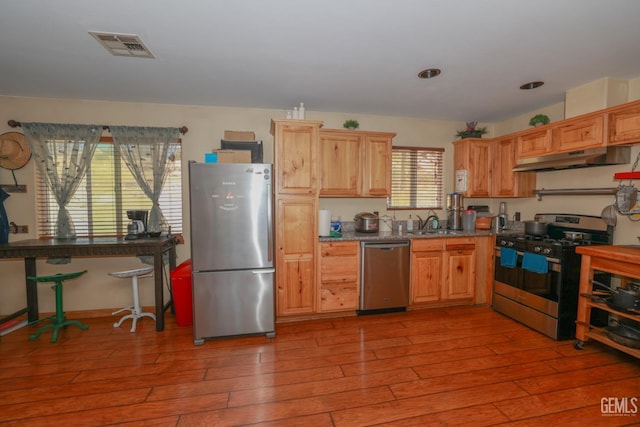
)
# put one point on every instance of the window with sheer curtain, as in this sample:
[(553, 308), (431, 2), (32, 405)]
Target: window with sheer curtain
[(99, 206), (416, 178)]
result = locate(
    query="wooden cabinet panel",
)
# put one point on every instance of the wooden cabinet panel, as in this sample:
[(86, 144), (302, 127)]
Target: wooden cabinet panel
[(377, 166), (505, 182), (578, 134), (460, 274), (474, 156), (536, 142), (296, 236), (624, 124), (339, 276), (295, 156), (443, 270), (295, 286), (355, 163), (340, 172), (426, 276)]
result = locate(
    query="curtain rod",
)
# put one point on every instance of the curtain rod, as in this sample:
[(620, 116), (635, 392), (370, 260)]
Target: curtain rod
[(15, 124)]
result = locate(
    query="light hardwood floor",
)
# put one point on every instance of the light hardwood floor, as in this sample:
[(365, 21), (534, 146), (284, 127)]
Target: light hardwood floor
[(446, 366)]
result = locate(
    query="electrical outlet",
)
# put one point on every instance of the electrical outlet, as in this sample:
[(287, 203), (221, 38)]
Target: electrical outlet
[(14, 228)]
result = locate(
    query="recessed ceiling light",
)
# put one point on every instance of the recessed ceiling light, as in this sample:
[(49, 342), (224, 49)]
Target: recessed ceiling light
[(531, 85), (429, 73)]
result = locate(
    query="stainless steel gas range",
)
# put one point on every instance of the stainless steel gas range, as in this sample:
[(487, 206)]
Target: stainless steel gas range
[(537, 277)]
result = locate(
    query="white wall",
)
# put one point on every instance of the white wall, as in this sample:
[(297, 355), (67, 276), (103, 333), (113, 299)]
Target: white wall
[(97, 290)]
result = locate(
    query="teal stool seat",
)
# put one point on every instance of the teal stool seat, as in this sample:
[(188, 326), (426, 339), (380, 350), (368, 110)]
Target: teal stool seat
[(58, 320)]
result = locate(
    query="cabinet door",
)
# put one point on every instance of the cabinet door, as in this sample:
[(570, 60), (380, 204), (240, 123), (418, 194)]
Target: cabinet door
[(505, 182), (377, 166), (534, 143), (340, 173), (579, 134), (624, 125), (459, 262), (339, 276), (296, 237), (426, 276), (474, 156), (296, 156)]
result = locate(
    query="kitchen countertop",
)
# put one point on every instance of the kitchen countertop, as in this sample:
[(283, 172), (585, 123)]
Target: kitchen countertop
[(395, 235)]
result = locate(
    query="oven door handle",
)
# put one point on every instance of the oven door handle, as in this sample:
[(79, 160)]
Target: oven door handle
[(555, 262)]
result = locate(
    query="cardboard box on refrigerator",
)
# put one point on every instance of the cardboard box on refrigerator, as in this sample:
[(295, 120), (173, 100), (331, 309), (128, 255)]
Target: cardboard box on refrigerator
[(228, 156)]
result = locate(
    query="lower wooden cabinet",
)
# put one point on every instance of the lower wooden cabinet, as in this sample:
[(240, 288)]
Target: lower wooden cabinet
[(296, 240), (443, 270), (339, 277)]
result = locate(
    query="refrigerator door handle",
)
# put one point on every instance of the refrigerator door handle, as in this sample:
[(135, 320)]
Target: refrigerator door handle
[(269, 224), (264, 271)]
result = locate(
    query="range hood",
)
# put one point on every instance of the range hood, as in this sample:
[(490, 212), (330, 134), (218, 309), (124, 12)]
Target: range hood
[(601, 156)]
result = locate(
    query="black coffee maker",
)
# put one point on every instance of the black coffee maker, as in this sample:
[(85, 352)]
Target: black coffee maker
[(137, 228)]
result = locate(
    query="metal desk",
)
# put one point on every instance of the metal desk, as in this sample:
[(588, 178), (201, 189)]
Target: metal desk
[(90, 247)]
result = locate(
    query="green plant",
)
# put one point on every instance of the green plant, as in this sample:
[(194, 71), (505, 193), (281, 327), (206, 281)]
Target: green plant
[(471, 131), (351, 124), (539, 118)]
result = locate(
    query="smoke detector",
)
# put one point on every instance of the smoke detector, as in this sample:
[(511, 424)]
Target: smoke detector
[(123, 44)]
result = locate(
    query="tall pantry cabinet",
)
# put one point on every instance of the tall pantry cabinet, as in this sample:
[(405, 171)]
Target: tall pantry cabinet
[(296, 211)]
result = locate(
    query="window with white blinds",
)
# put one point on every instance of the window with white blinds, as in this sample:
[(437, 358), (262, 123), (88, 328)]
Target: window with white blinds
[(99, 206), (416, 178)]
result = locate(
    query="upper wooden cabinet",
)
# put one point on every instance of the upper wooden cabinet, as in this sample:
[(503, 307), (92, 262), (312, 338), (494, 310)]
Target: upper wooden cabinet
[(579, 133), (340, 165), (535, 142), (296, 156), (624, 124), (505, 182), (355, 163), (377, 165), (474, 156)]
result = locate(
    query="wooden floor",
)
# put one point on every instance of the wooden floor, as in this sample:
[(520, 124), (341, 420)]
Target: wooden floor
[(450, 366)]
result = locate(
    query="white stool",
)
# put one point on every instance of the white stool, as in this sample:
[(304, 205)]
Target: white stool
[(135, 309)]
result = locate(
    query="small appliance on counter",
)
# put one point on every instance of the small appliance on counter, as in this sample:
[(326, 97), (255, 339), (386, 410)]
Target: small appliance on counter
[(455, 203), (137, 228), (366, 222)]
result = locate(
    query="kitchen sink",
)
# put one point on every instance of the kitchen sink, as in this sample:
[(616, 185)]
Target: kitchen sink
[(434, 232)]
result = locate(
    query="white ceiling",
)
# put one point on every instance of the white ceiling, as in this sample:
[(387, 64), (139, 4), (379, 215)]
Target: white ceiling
[(352, 56)]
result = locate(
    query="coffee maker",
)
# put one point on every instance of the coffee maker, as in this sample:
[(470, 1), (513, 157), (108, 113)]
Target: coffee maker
[(137, 228)]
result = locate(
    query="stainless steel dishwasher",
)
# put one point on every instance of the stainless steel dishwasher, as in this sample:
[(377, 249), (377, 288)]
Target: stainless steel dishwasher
[(384, 276)]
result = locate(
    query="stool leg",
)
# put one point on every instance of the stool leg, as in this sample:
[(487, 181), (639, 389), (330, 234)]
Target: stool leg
[(136, 295)]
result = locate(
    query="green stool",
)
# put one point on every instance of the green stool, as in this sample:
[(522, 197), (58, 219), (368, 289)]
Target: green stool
[(58, 320)]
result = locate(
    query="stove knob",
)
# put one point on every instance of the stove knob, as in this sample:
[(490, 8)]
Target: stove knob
[(537, 248), (547, 251)]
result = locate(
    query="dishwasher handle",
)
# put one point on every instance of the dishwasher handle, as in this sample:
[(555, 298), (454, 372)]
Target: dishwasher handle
[(385, 245)]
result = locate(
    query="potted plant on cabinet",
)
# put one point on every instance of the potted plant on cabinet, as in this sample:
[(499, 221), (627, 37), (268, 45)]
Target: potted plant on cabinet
[(351, 124), (471, 131), (539, 120)]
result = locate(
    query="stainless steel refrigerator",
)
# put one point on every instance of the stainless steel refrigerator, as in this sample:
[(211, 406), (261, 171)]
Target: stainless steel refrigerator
[(231, 206)]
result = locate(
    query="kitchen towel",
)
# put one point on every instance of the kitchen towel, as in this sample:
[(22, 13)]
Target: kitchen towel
[(324, 223), (508, 257), (534, 262)]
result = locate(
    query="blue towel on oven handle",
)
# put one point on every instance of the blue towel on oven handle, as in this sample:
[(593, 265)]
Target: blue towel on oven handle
[(534, 262), (508, 257)]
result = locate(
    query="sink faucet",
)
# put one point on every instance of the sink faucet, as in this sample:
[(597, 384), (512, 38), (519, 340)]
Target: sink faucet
[(429, 222)]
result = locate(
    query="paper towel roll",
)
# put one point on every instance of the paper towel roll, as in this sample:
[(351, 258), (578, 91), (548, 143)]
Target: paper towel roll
[(324, 223)]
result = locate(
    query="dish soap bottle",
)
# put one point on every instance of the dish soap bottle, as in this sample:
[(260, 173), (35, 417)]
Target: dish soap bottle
[(410, 223)]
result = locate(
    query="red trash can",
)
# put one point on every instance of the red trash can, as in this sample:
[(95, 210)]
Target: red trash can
[(182, 299)]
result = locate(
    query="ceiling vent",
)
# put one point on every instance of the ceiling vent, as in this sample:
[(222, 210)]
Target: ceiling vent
[(123, 44)]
